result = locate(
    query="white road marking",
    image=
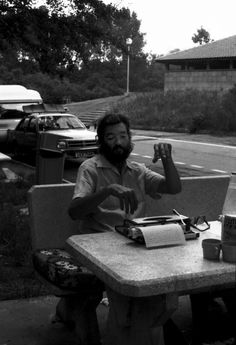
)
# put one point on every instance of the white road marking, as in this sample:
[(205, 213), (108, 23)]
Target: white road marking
[(196, 166), (202, 143), (144, 137), (182, 163), (220, 171), (184, 141)]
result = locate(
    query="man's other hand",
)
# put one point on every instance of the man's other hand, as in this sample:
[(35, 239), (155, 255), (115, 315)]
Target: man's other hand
[(161, 150)]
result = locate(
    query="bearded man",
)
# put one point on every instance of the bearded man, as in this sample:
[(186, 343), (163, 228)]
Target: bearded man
[(110, 188)]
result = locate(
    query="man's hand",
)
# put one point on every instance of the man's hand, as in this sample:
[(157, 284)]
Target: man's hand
[(161, 150), (127, 197)]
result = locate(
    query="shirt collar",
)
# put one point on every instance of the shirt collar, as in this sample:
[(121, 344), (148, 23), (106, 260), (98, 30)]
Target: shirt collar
[(102, 162)]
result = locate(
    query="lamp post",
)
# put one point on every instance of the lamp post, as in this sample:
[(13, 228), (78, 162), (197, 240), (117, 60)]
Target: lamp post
[(128, 43)]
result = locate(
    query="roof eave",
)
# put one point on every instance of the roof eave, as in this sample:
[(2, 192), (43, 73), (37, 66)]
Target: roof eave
[(179, 60)]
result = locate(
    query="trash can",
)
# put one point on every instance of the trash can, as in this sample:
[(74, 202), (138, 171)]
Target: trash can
[(49, 160)]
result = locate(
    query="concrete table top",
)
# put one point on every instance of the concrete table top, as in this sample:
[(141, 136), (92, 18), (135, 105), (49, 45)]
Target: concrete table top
[(133, 270)]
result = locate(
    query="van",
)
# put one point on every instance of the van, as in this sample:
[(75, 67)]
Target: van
[(12, 100)]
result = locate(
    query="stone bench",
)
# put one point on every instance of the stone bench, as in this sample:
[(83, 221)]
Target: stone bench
[(51, 226), (203, 195), (79, 290)]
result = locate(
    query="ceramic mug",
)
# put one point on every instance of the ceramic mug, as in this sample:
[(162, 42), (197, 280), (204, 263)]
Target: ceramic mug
[(229, 251), (211, 248)]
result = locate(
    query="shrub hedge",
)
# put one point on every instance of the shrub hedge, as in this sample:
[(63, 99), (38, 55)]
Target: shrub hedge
[(190, 111)]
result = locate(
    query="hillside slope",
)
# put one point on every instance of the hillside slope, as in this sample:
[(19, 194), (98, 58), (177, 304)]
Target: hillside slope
[(90, 111)]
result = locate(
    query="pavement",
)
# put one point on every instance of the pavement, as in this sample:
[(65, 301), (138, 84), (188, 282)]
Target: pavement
[(30, 322)]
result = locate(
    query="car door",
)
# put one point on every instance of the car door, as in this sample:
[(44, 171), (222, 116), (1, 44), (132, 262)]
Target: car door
[(19, 133), (31, 134)]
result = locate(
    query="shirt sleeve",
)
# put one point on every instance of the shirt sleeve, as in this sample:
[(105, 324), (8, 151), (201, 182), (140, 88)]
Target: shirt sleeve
[(85, 181), (152, 182)]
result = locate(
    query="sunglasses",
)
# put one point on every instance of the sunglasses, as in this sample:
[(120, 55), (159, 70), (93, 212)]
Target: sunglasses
[(200, 223)]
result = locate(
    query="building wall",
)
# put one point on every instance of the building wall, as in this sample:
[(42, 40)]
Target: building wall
[(219, 80)]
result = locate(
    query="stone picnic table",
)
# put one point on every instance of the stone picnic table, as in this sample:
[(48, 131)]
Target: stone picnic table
[(143, 284)]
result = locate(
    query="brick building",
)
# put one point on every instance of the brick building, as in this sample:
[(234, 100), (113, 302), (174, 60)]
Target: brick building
[(211, 66)]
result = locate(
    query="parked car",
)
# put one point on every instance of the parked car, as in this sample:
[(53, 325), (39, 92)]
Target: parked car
[(8, 120), (64, 132), (12, 100)]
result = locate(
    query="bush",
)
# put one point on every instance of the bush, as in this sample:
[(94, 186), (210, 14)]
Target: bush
[(190, 110), (17, 275), (15, 240)]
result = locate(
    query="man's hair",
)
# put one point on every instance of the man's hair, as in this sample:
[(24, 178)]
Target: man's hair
[(110, 119)]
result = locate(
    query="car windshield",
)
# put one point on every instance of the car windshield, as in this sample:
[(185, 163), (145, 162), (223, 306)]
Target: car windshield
[(52, 122)]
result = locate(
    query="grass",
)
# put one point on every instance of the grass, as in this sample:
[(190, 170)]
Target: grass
[(17, 276)]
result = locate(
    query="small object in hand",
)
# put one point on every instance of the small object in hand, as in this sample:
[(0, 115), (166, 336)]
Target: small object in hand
[(211, 248), (161, 150), (156, 153), (105, 302)]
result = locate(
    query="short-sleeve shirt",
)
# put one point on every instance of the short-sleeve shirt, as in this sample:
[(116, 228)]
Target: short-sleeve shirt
[(96, 173)]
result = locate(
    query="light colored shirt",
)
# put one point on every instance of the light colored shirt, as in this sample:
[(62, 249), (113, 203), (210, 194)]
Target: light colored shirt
[(96, 173)]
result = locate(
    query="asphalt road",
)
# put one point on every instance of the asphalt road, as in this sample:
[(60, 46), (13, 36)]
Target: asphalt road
[(197, 157), (194, 155)]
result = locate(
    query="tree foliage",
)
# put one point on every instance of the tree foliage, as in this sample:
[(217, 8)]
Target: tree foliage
[(76, 41), (54, 39), (202, 36)]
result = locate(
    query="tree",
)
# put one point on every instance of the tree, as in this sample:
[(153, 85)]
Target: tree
[(55, 37), (77, 44), (202, 36)]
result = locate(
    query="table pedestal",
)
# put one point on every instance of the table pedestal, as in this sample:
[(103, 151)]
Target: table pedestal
[(138, 320)]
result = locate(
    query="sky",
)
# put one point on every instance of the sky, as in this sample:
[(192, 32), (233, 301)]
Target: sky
[(170, 24)]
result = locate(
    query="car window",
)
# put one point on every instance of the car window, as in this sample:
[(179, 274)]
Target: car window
[(32, 125), (76, 123), (47, 123), (41, 123), (65, 122), (59, 122), (23, 124)]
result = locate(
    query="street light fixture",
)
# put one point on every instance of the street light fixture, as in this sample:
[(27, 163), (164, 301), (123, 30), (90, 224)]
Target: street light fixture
[(129, 41)]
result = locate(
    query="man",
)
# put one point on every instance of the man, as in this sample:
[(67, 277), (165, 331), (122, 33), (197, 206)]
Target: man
[(110, 188)]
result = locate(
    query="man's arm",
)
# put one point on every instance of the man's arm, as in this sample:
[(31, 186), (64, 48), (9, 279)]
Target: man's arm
[(171, 184), (83, 206)]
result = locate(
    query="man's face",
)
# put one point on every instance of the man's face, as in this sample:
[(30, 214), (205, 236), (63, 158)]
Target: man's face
[(117, 144)]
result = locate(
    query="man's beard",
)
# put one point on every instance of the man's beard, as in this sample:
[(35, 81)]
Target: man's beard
[(117, 154)]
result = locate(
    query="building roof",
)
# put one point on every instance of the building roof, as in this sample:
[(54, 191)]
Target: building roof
[(221, 49)]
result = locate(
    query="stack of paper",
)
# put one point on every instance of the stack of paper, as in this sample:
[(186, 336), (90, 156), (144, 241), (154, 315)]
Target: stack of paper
[(159, 235)]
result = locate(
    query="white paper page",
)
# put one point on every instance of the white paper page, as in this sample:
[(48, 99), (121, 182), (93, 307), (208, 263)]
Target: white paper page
[(163, 235)]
